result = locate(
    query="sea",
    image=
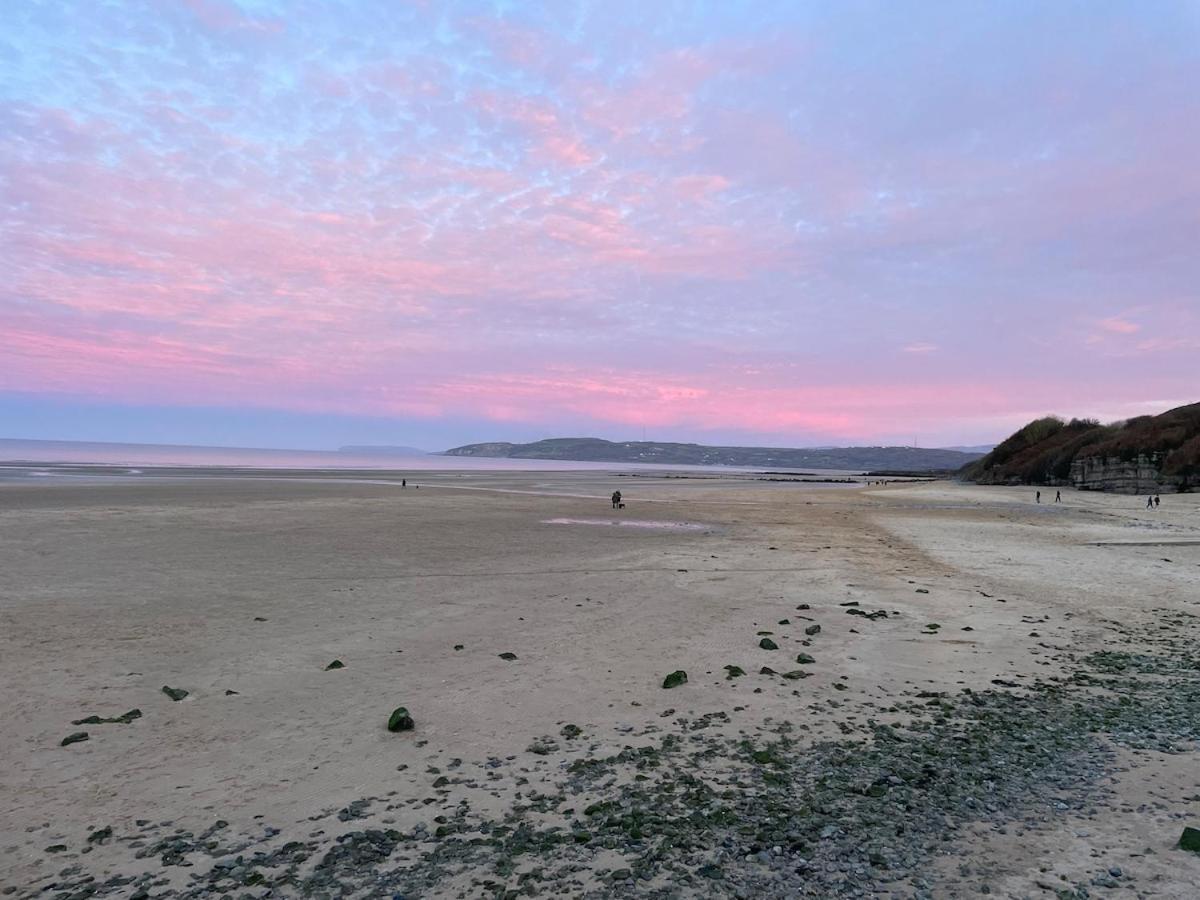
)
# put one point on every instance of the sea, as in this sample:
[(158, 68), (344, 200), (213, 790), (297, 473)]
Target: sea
[(18, 452), (31, 453)]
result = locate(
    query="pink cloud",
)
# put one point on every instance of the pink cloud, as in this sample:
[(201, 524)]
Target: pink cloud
[(1118, 325), (523, 221)]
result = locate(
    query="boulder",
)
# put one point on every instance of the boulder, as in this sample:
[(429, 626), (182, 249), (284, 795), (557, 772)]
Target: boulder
[(400, 720), (675, 679)]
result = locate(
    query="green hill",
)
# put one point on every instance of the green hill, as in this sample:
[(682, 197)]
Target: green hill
[(1148, 453), (910, 459)]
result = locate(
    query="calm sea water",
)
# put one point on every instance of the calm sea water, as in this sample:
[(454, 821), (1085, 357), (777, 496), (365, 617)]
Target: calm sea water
[(178, 455), (134, 455)]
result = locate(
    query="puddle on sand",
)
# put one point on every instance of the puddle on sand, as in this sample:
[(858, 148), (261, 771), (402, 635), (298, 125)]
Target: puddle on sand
[(633, 523)]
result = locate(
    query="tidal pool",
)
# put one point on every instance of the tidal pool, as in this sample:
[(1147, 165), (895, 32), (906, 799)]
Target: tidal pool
[(633, 523)]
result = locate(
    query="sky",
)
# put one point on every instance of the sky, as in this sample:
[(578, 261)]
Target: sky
[(309, 224)]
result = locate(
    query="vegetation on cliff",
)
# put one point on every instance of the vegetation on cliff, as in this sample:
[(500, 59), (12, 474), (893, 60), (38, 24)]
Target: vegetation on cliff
[(1044, 451)]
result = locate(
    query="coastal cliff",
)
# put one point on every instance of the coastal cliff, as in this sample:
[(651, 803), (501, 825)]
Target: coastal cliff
[(1141, 475), (1148, 454)]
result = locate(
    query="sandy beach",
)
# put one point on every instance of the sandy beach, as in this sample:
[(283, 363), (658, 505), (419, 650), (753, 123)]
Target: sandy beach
[(276, 776)]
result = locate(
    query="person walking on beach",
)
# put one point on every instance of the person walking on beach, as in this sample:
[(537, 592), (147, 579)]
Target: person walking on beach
[(1156, 501), (1039, 496), (616, 499), (403, 482), (1150, 502), (1058, 496)]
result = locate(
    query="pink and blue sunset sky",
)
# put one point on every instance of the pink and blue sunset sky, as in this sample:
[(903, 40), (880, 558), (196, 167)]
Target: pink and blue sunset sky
[(307, 224)]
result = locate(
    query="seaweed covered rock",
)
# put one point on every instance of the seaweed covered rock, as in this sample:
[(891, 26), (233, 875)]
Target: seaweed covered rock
[(400, 720), (675, 679)]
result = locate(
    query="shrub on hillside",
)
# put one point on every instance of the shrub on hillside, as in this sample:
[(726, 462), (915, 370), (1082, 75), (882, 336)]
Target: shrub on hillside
[(1044, 450)]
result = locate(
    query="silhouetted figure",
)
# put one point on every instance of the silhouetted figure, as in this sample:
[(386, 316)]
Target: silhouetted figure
[(403, 482), (616, 499), (1156, 501), (1149, 503), (1039, 496), (1058, 496)]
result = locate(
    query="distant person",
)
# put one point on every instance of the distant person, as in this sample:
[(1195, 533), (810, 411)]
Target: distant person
[(616, 499), (1039, 496), (403, 482), (1156, 501), (1058, 496), (1150, 503)]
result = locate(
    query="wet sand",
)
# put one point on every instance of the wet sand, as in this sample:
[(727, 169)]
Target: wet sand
[(112, 588)]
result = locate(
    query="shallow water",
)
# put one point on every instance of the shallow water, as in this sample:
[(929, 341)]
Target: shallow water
[(633, 523)]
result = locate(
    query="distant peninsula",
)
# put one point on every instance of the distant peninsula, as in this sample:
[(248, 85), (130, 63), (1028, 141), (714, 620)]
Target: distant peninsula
[(1146, 454), (906, 459)]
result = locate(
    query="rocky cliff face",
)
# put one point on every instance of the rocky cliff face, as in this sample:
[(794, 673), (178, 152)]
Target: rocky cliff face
[(1141, 475)]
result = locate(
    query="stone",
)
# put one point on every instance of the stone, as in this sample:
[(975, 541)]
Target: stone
[(1190, 839), (812, 629), (176, 694), (570, 732), (734, 672), (768, 644), (123, 719), (508, 656), (100, 835), (75, 738), (336, 664), (796, 674), (400, 720), (675, 679), (877, 614), (804, 659)]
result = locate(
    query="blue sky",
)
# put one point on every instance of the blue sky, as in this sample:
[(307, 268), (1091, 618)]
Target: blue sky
[(309, 224)]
